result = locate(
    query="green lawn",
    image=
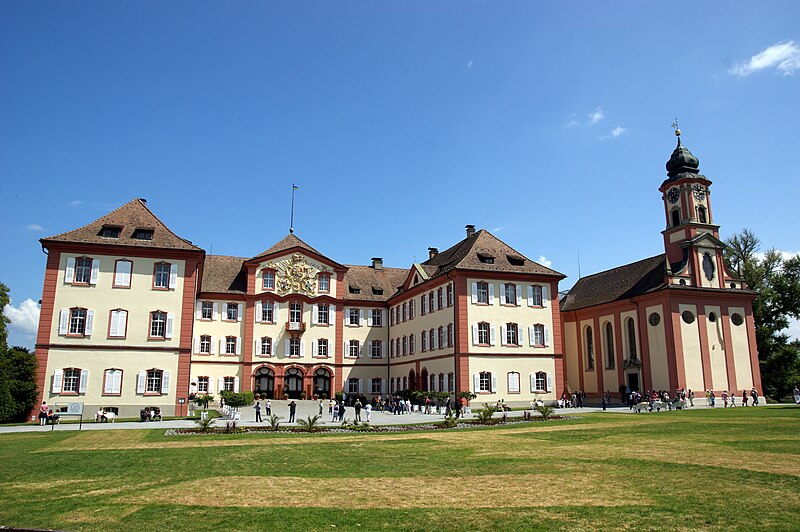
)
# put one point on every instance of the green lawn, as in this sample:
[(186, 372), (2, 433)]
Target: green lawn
[(707, 469)]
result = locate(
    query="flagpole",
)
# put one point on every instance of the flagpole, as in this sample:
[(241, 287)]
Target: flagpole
[(291, 219)]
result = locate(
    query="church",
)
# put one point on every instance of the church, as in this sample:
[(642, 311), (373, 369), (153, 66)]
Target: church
[(134, 315)]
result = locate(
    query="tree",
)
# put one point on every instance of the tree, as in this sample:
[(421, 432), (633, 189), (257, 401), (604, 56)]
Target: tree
[(776, 281), (5, 300), (17, 372)]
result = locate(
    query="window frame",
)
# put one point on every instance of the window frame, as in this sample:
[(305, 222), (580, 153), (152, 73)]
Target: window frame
[(203, 310), (538, 330), (512, 335), (75, 376), (449, 295), (208, 340), (124, 334), (294, 348), (536, 378), (228, 311), (158, 376), (150, 335), (377, 317), (537, 293), (268, 307), (268, 273), (82, 267), (73, 316), (353, 346), (487, 389), (200, 384), (608, 333), (266, 344), (162, 274), (105, 380), (423, 305), (327, 278), (588, 348), (509, 383), (376, 349), (482, 287), (322, 344), (488, 331), (510, 289), (323, 309), (114, 283)]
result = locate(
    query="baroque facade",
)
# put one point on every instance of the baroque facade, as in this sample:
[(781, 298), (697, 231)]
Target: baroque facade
[(134, 315)]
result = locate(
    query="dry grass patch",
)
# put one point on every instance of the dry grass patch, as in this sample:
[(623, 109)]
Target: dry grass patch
[(104, 515)]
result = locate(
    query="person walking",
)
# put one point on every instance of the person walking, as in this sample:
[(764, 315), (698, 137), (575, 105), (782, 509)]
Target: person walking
[(754, 395), (357, 408), (691, 397), (335, 412), (268, 408), (796, 394), (733, 399), (331, 403), (258, 412), (342, 410), (744, 397), (725, 398), (43, 413), (321, 406), (292, 411), (605, 402), (368, 410)]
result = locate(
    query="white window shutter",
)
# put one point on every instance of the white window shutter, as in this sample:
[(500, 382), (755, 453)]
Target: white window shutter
[(63, 322), (198, 310), (383, 386), (360, 385), (533, 382), (196, 345), (519, 294), (474, 293), (360, 350), (140, 381), (493, 336), (84, 382), (476, 382), (259, 311), (545, 295), (314, 350), (331, 314), (170, 325), (124, 273), (122, 326), (369, 318), (383, 346), (210, 386), (360, 317), (383, 315), (434, 302), (164, 382), (474, 334), (239, 311), (302, 348), (116, 387), (491, 293), (503, 334), (530, 295), (108, 384), (173, 276), (213, 347), (257, 347), (286, 347), (502, 294), (314, 314), (433, 341), (346, 349), (95, 271), (494, 383), (89, 322), (220, 383), (549, 382), (275, 307), (58, 379), (236, 384), (69, 273), (546, 336), (238, 345), (521, 334), (222, 345), (530, 335), (446, 383), (214, 311)]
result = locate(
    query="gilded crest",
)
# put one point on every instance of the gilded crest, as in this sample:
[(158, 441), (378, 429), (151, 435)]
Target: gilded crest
[(295, 275)]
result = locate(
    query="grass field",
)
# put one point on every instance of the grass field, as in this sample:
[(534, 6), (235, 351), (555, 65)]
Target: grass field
[(707, 469)]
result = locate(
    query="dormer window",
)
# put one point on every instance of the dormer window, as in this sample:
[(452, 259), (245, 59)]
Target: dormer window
[(515, 261), (143, 234), (377, 291), (485, 259), (110, 231), (354, 289)]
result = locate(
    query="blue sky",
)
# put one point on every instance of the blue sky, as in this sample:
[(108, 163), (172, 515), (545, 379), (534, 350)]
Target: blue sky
[(546, 123)]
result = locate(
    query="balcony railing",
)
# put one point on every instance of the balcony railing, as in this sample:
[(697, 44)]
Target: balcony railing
[(296, 326)]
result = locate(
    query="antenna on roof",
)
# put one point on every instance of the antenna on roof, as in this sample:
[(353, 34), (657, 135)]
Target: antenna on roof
[(579, 264), (291, 217)]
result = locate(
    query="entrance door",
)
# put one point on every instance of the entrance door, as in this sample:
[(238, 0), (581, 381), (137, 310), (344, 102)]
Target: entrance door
[(265, 382), (293, 383), (633, 382), (322, 382)]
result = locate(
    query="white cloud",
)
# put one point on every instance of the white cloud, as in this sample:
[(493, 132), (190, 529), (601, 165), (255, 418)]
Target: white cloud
[(785, 56), (496, 229), (34, 227), (794, 329), (544, 261), (25, 318), (596, 116), (469, 64), (76, 203), (785, 255), (617, 131)]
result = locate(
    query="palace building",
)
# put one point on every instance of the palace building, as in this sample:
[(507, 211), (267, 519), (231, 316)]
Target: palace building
[(134, 315)]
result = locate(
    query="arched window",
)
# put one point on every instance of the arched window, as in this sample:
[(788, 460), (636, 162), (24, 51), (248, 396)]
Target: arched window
[(676, 218), (701, 214), (589, 349), (631, 329), (609, 346)]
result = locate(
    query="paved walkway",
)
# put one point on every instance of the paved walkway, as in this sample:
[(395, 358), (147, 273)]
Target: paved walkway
[(304, 410)]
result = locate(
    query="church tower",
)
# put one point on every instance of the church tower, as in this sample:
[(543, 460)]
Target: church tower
[(691, 238)]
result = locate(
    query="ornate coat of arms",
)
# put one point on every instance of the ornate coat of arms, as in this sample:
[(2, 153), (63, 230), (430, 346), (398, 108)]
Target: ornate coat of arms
[(295, 275)]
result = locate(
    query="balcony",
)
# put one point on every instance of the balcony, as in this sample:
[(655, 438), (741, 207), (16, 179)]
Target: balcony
[(298, 327)]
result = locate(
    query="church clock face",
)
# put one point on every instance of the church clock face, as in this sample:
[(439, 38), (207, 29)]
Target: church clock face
[(699, 192), (673, 195)]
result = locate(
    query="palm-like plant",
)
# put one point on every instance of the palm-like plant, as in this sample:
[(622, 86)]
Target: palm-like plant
[(309, 425), (274, 422), (485, 414), (545, 411)]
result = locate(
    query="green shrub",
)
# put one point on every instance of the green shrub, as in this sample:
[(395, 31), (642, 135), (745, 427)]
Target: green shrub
[(485, 415), (450, 421), (237, 400), (310, 425), (545, 411), (274, 422), (204, 424)]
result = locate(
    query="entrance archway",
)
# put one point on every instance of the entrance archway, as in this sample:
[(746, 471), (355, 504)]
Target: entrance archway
[(293, 382), (322, 382), (412, 380), (264, 383), (423, 379)]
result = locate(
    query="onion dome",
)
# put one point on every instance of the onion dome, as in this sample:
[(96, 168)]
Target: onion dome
[(682, 160)]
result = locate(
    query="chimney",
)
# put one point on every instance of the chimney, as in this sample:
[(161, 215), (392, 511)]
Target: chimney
[(432, 252), (377, 263), (143, 200), (470, 230)]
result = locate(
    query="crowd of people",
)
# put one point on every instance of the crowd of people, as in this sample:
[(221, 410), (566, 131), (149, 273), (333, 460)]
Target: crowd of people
[(150, 413)]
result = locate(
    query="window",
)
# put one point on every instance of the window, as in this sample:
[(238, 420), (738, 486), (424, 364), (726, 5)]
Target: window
[(323, 314), (377, 317), (440, 297), (449, 295), (112, 382), (483, 293), (324, 282), (268, 282), (393, 315), (411, 309), (122, 273), (143, 234), (405, 345), (449, 335), (207, 310), (441, 383), (676, 218), (230, 345), (513, 382), (161, 274), (377, 291), (736, 319), (536, 296), (72, 379), (322, 348), (266, 346), (110, 231), (485, 382), (397, 350), (412, 341), (512, 336), (268, 312), (377, 349), (432, 301), (432, 339), (538, 335), (229, 384), (405, 311), (483, 333), (354, 289), (352, 386), (423, 338), (352, 351), (441, 339), (701, 214), (589, 349), (376, 386), (609, 346), (153, 381), (510, 291), (77, 322), (423, 305), (485, 259), (202, 384), (540, 381), (432, 382), (353, 316), (631, 338), (295, 312), (83, 270), (294, 347), (451, 382), (158, 324), (232, 311), (515, 261), (654, 319), (205, 344), (405, 383)]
